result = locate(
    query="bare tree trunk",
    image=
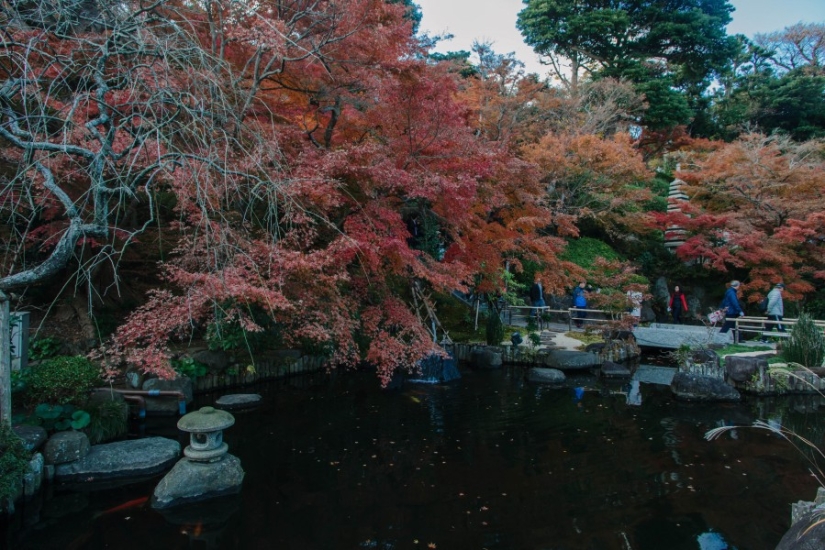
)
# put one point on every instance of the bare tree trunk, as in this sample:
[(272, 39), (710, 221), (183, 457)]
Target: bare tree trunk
[(574, 75), (5, 361)]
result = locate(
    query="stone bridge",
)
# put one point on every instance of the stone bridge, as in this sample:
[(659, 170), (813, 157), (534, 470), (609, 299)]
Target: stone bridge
[(662, 335)]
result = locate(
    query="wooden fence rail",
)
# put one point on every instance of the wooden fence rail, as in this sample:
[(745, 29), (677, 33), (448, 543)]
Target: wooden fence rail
[(763, 326), (594, 316)]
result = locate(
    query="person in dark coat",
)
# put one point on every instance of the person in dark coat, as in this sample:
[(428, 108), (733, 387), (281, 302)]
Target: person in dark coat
[(731, 306), (677, 305), (537, 296)]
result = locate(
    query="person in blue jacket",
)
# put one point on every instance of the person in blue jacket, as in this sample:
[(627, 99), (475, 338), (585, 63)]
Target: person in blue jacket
[(580, 302), (731, 306)]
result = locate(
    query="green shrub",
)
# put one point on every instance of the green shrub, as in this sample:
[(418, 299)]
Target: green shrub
[(19, 380), (806, 344), (186, 366), (109, 420), (495, 329), (14, 462), (62, 380), (44, 348)]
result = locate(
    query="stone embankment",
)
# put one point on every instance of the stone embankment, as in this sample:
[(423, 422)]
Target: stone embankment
[(555, 355), (750, 373)]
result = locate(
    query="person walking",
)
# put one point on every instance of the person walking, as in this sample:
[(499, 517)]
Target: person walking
[(635, 297), (537, 296), (731, 306), (776, 309), (677, 305), (580, 302)]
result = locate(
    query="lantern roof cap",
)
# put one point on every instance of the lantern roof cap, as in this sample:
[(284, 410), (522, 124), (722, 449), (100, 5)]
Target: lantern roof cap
[(207, 419)]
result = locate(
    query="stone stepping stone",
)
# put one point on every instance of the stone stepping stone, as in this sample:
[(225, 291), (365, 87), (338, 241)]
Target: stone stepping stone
[(614, 370), (541, 375), (122, 459), (571, 360), (237, 401)]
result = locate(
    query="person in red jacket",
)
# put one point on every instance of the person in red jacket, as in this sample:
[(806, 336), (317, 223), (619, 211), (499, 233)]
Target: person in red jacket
[(677, 305)]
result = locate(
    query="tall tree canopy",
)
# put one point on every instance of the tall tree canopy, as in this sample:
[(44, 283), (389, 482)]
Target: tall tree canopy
[(775, 83), (670, 49)]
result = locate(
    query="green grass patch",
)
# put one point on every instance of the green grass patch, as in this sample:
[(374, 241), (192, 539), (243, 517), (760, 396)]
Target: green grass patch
[(585, 250), (739, 348), (585, 338)]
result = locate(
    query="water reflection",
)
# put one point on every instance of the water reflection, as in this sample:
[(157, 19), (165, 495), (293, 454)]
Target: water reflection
[(711, 541), (634, 393), (487, 462)]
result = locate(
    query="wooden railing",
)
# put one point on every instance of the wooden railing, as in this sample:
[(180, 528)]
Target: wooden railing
[(763, 326), (574, 314)]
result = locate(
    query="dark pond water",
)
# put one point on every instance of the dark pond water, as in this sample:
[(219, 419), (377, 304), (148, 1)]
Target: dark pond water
[(486, 462)]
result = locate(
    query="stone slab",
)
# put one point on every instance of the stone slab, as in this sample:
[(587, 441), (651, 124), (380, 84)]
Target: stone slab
[(237, 401), (650, 374), (571, 360), (666, 336), (122, 459)]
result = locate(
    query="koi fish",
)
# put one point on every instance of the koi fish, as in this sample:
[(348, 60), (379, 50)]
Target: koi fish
[(136, 503)]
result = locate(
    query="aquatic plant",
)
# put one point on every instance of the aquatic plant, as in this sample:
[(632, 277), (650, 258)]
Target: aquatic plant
[(59, 418), (806, 448), (109, 420), (44, 348), (806, 344)]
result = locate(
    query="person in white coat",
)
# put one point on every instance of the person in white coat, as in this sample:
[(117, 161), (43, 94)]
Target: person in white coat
[(776, 308)]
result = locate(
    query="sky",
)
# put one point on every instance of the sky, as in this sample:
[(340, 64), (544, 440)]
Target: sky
[(495, 21)]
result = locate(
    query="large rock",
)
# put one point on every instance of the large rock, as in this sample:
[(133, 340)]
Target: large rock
[(436, 369), (190, 481), (806, 534), (167, 404), (122, 459), (33, 436), (571, 360), (541, 375), (696, 387), (742, 368), (486, 358), (34, 477), (65, 447)]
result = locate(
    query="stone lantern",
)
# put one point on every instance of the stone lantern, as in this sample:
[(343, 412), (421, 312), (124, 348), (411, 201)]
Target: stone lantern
[(206, 428), (207, 469)]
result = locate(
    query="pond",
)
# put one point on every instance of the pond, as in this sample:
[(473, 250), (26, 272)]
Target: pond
[(488, 461)]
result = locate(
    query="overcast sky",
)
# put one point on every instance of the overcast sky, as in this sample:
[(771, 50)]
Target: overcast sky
[(495, 20)]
